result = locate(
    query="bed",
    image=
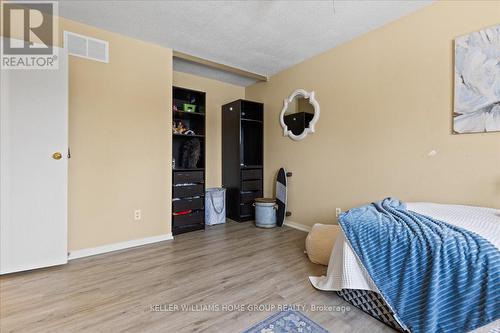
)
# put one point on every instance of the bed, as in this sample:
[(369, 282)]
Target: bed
[(348, 276)]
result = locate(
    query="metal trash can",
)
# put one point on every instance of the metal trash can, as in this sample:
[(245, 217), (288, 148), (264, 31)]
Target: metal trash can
[(265, 212), (215, 205)]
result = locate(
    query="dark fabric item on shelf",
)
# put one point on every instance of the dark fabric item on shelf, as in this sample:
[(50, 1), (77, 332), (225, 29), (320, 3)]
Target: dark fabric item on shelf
[(191, 151)]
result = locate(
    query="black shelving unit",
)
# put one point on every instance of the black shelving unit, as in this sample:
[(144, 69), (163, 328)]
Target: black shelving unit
[(188, 181), (242, 157)]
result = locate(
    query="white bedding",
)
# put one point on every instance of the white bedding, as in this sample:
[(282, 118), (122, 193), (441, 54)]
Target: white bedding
[(346, 272)]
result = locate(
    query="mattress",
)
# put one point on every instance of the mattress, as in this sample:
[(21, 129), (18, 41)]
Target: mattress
[(371, 303), (346, 272), (347, 276)]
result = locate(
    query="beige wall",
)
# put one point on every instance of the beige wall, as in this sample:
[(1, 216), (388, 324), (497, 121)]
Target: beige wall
[(218, 94), (386, 102), (120, 137)]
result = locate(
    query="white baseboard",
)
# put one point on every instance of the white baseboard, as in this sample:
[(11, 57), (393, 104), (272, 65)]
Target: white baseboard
[(298, 226), (117, 246)]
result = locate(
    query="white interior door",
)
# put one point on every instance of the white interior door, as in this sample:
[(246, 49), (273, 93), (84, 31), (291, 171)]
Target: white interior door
[(34, 184)]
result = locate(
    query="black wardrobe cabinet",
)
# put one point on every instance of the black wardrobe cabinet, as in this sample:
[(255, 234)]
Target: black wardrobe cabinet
[(242, 157)]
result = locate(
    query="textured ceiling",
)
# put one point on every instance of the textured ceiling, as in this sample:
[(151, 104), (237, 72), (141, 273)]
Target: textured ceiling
[(264, 37)]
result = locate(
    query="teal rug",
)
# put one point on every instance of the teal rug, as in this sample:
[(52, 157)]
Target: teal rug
[(287, 321)]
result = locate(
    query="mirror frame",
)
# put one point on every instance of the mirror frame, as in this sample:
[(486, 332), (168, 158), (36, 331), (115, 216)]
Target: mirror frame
[(311, 128)]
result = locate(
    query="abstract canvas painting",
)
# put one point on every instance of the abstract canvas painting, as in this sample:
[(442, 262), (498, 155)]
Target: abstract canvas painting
[(477, 82)]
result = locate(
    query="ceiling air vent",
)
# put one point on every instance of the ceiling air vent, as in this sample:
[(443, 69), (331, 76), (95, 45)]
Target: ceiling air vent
[(86, 47)]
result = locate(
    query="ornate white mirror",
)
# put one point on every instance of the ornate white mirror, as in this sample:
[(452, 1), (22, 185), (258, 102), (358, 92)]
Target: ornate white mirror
[(299, 114)]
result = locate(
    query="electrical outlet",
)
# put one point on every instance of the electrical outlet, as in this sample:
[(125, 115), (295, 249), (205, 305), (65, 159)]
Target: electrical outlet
[(137, 215), (338, 211)]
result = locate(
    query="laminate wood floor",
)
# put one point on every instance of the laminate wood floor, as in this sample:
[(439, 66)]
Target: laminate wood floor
[(225, 266)]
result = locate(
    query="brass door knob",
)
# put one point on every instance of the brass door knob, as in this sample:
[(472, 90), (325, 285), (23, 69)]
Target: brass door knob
[(57, 155)]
